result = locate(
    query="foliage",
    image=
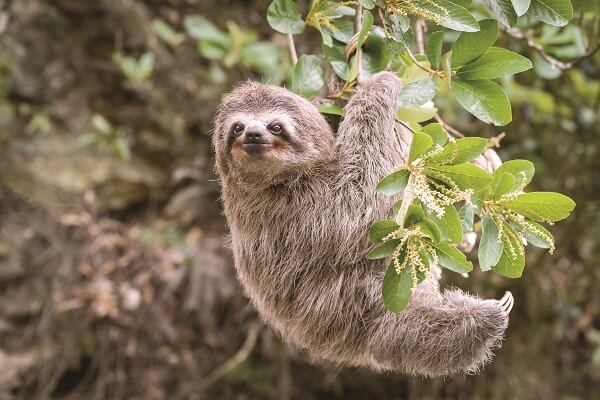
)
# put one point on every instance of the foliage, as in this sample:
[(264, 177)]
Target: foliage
[(438, 175)]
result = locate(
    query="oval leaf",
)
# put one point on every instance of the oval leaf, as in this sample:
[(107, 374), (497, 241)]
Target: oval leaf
[(460, 151), (466, 176), (397, 289), (284, 17), (471, 45), (430, 229), (542, 206), (393, 183), (437, 132), (521, 170), (434, 48), (419, 145), (502, 184), (449, 224), (416, 93), (490, 248), (495, 63), (383, 250), (484, 99), (381, 229), (452, 258), (511, 265), (553, 12), (307, 76)]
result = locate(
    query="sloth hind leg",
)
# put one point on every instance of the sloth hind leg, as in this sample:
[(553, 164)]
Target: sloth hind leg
[(440, 334)]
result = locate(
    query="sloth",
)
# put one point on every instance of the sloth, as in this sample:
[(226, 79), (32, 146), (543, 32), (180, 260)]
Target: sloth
[(299, 201)]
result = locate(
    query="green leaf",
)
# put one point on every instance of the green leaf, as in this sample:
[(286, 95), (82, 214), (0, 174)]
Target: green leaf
[(335, 55), (434, 48), (430, 229), (393, 183), (453, 259), (381, 229), (467, 217), (460, 151), (166, 33), (458, 18), (484, 99), (417, 114), (490, 248), (416, 93), (397, 289), (383, 250), (202, 29), (367, 23), (479, 197), (553, 12), (466, 176), (333, 109), (471, 45), (284, 17), (521, 6), (414, 214), (419, 145), (344, 30), (511, 265), (262, 57), (502, 184), (495, 63), (503, 9), (449, 224), (368, 4), (521, 170), (541, 206), (536, 239), (307, 76), (437, 132)]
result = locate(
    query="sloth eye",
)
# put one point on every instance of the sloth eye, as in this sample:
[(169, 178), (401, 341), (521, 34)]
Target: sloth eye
[(275, 128), (238, 128)]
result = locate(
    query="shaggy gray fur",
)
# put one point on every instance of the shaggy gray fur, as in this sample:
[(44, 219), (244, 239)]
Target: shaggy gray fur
[(299, 221)]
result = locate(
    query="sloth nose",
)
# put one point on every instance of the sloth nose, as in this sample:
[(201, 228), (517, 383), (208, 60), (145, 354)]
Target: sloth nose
[(254, 135)]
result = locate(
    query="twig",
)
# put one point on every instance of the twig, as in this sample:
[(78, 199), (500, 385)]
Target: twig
[(404, 125), (292, 48), (424, 68), (554, 62), (357, 27), (449, 128), (234, 361), (495, 141), (420, 27)]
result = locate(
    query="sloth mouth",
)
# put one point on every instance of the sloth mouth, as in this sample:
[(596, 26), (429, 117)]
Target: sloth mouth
[(256, 148)]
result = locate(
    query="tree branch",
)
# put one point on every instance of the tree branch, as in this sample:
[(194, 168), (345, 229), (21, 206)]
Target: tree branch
[(554, 62), (357, 26)]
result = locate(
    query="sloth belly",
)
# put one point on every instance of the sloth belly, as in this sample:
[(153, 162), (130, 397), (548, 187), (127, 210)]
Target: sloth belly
[(323, 309)]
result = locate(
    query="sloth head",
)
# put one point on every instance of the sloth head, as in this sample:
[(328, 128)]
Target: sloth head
[(268, 134)]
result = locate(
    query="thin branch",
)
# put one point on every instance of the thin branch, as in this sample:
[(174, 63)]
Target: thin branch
[(554, 62), (420, 28), (234, 361), (357, 26), (447, 127), (292, 48), (405, 125), (423, 67)]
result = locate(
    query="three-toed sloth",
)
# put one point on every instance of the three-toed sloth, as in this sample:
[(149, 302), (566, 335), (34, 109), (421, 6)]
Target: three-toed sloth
[(299, 201)]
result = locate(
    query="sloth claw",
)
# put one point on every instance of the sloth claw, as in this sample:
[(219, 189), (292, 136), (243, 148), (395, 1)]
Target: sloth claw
[(507, 302)]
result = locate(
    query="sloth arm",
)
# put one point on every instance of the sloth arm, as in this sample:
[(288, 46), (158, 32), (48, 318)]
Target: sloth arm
[(367, 142), (438, 333)]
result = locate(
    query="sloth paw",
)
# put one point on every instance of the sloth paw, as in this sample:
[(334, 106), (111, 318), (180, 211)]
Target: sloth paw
[(507, 302)]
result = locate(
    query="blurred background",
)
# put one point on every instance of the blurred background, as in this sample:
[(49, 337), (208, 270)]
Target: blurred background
[(114, 279)]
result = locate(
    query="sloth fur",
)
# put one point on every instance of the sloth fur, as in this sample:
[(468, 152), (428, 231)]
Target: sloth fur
[(299, 213)]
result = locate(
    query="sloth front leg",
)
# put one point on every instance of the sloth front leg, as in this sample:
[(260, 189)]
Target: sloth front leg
[(440, 334)]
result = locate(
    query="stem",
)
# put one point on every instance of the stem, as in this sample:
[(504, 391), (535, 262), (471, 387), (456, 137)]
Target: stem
[(420, 27), (408, 195), (357, 26), (292, 48), (424, 68), (449, 128)]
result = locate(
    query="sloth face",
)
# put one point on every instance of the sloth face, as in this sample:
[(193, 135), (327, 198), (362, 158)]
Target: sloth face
[(267, 133), (262, 137)]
